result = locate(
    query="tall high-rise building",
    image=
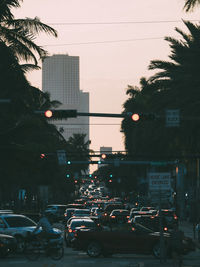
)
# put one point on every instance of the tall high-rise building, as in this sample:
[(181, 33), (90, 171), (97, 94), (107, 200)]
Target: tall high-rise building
[(60, 77)]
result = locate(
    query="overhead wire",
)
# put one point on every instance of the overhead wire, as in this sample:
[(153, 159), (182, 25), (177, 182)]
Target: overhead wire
[(119, 22), (111, 41)]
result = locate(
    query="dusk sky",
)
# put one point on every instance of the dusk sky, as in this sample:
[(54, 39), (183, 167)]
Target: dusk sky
[(113, 53)]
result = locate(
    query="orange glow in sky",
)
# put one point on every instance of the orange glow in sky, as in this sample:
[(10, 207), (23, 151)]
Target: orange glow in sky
[(115, 40)]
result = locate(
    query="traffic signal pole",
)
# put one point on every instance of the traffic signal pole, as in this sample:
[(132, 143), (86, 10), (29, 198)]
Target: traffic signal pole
[(111, 115)]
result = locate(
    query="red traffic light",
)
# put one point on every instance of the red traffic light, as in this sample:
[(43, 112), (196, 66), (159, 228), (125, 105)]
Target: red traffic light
[(42, 156), (48, 113), (135, 117)]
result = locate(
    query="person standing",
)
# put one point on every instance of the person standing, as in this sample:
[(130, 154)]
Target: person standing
[(198, 231)]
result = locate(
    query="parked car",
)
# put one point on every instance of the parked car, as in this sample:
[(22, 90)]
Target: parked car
[(8, 244), (16, 225), (119, 216), (56, 211)]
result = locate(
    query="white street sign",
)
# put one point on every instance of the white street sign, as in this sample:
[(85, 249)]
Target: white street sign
[(172, 117), (159, 181)]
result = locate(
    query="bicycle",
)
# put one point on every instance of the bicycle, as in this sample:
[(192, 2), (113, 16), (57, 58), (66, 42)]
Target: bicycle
[(34, 246)]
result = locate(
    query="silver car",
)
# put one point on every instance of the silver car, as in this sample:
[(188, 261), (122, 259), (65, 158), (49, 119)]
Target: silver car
[(16, 225)]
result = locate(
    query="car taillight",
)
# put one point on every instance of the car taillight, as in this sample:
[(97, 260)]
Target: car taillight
[(127, 217), (165, 228), (133, 228), (113, 216), (65, 215), (175, 217), (75, 234), (70, 230), (105, 214)]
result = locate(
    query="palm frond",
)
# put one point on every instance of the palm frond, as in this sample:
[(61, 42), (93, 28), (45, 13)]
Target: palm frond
[(34, 26), (29, 67), (190, 4), (22, 43), (5, 8)]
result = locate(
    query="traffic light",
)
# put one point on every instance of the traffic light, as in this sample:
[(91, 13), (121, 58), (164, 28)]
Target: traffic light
[(142, 116), (42, 156), (57, 114), (48, 113), (135, 117), (110, 175), (103, 156), (67, 175)]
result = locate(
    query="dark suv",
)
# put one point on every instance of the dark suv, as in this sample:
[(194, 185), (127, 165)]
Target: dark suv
[(170, 216)]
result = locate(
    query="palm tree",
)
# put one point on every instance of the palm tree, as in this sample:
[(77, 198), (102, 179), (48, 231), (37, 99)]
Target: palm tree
[(190, 4), (182, 72), (19, 34)]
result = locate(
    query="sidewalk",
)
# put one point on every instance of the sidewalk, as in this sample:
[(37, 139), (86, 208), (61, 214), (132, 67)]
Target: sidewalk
[(187, 228)]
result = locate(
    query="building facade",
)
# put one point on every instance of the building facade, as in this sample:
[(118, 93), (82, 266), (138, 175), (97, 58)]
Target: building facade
[(60, 77)]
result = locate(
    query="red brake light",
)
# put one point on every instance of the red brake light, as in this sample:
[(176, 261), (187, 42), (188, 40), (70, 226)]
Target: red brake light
[(70, 230), (175, 217), (165, 228), (127, 216), (113, 216)]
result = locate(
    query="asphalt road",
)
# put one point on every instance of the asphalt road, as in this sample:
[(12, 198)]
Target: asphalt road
[(74, 258)]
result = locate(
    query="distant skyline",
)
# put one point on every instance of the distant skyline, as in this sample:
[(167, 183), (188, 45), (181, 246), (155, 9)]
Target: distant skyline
[(112, 55)]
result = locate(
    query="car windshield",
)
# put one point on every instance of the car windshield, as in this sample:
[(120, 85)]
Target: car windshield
[(89, 224), (18, 221)]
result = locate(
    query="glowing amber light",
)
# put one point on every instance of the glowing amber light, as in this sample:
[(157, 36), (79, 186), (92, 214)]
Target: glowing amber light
[(135, 117), (103, 156), (48, 113)]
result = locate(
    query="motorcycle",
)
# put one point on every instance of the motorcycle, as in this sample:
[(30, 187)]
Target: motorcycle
[(52, 246)]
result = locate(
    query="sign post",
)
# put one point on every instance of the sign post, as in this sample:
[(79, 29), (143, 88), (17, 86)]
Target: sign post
[(160, 184)]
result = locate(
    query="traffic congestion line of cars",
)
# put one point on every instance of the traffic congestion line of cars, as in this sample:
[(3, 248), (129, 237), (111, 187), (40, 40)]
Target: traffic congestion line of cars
[(99, 225)]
